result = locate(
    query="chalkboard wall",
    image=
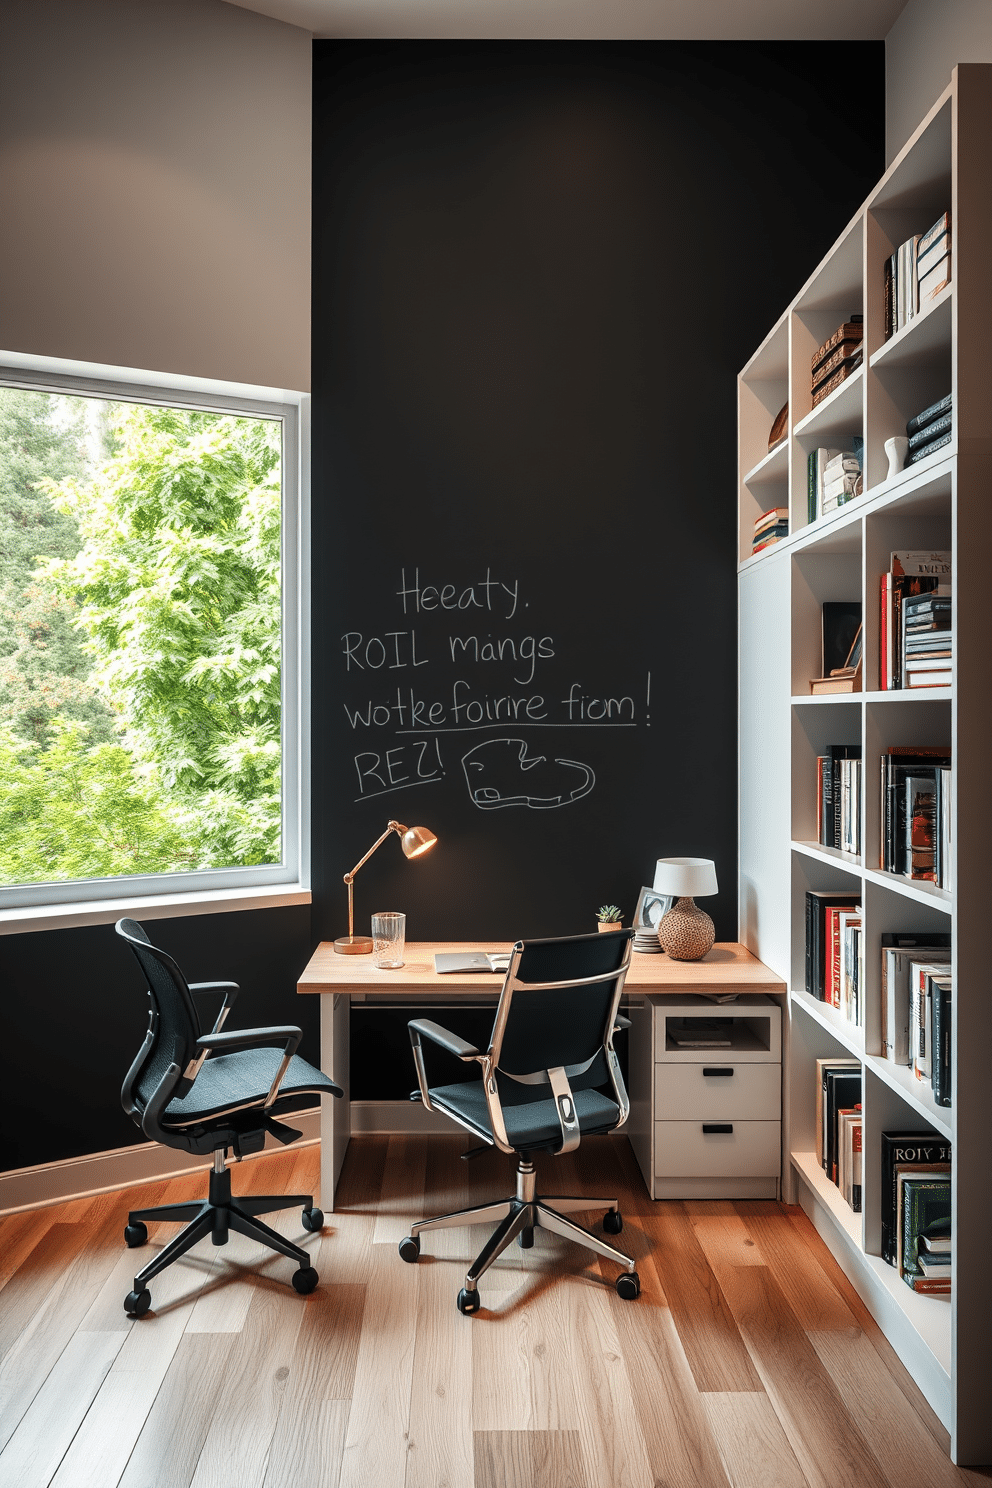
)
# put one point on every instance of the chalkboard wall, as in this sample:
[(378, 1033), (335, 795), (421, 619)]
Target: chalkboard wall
[(537, 270)]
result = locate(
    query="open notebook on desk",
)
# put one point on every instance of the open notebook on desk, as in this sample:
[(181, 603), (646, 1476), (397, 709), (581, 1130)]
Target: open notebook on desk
[(490, 961)]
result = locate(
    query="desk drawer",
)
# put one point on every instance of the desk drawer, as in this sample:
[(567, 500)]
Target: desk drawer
[(751, 1149), (749, 1092)]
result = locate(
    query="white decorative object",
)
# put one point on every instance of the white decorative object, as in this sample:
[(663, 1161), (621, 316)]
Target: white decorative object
[(895, 453)]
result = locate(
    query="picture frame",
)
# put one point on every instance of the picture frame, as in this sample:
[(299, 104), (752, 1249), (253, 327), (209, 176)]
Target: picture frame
[(651, 909)]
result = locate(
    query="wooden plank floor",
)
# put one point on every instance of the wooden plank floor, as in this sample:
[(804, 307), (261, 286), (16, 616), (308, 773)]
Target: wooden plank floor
[(748, 1360)]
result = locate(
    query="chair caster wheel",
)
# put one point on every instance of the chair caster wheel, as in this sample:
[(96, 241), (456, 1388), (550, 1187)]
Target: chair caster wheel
[(525, 1239), (410, 1248), (468, 1302), (136, 1304), (629, 1286), (313, 1219), (305, 1280), (135, 1234), (613, 1221)]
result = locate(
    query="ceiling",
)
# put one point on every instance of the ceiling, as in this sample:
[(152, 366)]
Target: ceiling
[(602, 20)]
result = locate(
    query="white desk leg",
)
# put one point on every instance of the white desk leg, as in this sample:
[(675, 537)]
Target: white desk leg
[(335, 1115)]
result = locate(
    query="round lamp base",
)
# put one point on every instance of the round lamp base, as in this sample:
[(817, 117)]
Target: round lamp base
[(686, 932), (353, 945)]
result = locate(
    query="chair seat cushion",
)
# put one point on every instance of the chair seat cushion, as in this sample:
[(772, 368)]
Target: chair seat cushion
[(230, 1082), (530, 1127)]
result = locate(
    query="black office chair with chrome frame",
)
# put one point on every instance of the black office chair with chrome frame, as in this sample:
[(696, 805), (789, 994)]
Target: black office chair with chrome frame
[(182, 1098), (550, 1051)]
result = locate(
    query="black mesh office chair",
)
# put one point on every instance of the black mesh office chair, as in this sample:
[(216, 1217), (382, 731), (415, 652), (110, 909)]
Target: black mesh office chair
[(550, 1051), (182, 1099)]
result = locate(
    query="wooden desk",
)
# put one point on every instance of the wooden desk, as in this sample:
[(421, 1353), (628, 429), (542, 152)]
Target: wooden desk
[(340, 980)]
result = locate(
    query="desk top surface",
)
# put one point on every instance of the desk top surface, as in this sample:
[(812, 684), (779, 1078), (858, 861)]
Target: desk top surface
[(728, 964)]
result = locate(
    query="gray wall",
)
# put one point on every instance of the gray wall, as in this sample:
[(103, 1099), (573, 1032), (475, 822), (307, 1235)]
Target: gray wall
[(926, 41), (155, 181)]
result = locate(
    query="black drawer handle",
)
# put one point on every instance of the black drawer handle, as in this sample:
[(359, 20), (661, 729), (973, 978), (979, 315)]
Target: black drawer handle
[(718, 1069), (717, 1128)]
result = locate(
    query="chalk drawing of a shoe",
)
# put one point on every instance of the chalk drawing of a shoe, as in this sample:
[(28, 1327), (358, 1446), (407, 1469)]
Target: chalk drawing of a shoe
[(501, 772)]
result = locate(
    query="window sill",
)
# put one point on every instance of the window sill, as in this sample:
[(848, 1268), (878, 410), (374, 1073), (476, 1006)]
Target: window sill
[(149, 907)]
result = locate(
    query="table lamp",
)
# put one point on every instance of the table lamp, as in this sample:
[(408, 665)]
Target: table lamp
[(415, 841), (686, 932)]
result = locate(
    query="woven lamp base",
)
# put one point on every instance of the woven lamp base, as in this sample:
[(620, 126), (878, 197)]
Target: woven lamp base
[(686, 933)]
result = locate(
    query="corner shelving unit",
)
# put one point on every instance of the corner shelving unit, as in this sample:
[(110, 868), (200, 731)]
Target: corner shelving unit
[(943, 502)]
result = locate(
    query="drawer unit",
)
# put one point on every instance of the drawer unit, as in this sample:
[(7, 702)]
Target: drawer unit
[(718, 1092), (717, 1149), (706, 1096)]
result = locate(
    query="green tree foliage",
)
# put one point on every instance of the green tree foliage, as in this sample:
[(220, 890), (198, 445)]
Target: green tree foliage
[(140, 640), (178, 581), (44, 672)]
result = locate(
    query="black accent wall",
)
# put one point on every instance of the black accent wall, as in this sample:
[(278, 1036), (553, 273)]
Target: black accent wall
[(537, 271)]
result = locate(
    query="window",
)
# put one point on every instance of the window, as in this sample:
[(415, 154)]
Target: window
[(150, 646)]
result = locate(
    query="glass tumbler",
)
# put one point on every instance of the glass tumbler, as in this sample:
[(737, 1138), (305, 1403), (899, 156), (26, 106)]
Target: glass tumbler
[(388, 936)]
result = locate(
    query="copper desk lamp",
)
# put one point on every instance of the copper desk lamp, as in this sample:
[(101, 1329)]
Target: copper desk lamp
[(415, 841)]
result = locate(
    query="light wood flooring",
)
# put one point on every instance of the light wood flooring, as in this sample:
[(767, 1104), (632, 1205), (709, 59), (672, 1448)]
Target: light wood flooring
[(748, 1359)]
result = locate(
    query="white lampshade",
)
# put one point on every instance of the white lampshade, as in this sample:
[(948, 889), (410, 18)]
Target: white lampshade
[(686, 878)]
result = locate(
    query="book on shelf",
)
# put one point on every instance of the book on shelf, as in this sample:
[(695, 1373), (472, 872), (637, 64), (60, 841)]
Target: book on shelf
[(922, 1152), (933, 261), (911, 574), (931, 448), (941, 1046), (920, 846), (921, 979), (774, 517), (931, 1265), (925, 630), (817, 903), (899, 953), (945, 855), (841, 1088), (824, 389), (936, 1245), (899, 763), (844, 681), (846, 966), (830, 790), (940, 425), (848, 1065), (935, 235), (908, 274), (924, 1208), (770, 527), (930, 414), (934, 278), (849, 1146)]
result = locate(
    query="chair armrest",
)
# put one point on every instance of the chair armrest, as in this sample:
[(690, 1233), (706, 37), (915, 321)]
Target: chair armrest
[(443, 1037), (620, 1022), (253, 1038), (230, 991), (423, 1027)]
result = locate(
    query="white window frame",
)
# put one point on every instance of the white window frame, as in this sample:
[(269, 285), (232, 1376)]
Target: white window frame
[(96, 901)]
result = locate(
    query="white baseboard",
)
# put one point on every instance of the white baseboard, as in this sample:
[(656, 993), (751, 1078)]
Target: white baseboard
[(123, 1167)]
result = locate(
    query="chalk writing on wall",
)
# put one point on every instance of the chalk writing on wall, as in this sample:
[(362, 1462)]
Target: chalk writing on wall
[(487, 672)]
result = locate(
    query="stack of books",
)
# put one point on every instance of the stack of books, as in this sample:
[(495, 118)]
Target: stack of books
[(916, 1007), (915, 812), (823, 906), (930, 431), (838, 812), (834, 477), (838, 1125), (916, 273), (916, 1208), (914, 573), (926, 640), (770, 528), (837, 358)]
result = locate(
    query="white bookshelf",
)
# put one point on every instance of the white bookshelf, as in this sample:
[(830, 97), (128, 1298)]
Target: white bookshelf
[(943, 502)]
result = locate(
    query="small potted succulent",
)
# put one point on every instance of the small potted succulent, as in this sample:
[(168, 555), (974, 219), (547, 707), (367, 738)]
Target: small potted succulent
[(609, 917)]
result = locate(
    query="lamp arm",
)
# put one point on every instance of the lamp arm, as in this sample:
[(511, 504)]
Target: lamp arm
[(392, 826)]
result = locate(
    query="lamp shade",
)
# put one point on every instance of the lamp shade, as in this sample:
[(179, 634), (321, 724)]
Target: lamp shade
[(685, 878), (417, 840)]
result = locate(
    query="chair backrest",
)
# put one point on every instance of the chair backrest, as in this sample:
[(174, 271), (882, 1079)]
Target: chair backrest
[(173, 1027), (541, 1024)]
